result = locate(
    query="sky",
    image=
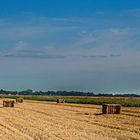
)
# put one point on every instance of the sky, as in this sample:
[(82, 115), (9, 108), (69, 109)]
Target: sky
[(81, 45)]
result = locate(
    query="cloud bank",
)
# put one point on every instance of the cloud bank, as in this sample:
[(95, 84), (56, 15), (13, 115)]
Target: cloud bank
[(99, 53)]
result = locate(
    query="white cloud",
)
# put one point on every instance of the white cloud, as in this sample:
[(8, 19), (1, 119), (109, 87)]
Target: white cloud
[(108, 49), (21, 45)]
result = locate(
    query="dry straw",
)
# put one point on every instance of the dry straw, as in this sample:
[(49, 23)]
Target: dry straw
[(19, 100), (60, 101), (8, 103), (111, 108)]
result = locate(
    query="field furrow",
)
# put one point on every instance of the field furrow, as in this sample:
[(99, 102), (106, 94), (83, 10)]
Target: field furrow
[(34, 120)]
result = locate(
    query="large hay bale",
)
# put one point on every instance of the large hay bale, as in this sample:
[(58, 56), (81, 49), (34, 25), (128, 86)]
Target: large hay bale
[(104, 108), (19, 100), (111, 108), (60, 101), (8, 103)]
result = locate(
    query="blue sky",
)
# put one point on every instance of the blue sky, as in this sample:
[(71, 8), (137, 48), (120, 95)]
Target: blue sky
[(84, 45)]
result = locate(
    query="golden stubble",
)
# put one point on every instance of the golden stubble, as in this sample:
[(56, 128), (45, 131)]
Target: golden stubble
[(33, 120)]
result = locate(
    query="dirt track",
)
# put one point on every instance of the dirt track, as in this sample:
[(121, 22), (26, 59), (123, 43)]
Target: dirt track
[(50, 121)]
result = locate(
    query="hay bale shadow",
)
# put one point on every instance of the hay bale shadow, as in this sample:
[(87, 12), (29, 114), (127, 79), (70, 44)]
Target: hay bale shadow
[(98, 114)]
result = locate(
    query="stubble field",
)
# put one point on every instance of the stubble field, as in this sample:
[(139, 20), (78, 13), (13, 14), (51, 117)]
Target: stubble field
[(35, 120)]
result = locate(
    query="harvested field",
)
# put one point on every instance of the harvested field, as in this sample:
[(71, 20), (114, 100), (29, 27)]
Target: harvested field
[(34, 120)]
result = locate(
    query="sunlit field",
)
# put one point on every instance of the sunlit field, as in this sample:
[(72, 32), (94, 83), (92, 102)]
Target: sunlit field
[(37, 120)]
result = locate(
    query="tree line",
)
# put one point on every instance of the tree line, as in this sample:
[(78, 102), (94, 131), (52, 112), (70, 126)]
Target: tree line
[(63, 93)]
